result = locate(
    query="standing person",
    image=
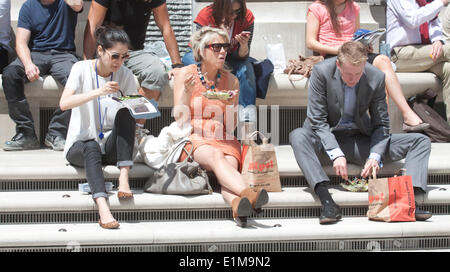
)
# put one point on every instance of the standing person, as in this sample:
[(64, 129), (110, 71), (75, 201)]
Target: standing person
[(133, 16), (213, 120), (238, 21), (44, 45), (347, 121), (98, 132), (414, 33), (5, 28), (329, 24)]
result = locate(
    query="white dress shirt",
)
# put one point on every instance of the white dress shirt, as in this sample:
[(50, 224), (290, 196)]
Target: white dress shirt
[(403, 20)]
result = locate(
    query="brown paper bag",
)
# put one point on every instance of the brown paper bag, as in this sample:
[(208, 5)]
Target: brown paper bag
[(259, 167), (391, 199)]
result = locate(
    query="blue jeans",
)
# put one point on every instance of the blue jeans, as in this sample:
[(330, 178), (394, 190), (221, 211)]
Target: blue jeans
[(243, 70)]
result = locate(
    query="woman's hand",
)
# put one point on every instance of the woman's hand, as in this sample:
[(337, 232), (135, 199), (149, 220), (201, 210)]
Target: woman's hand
[(189, 83), (109, 88)]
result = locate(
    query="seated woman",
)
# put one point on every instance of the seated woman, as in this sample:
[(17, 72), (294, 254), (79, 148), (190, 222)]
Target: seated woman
[(99, 134), (238, 21), (206, 95), (331, 23)]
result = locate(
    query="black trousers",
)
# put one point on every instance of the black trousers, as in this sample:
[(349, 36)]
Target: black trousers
[(118, 151), (53, 62), (3, 58)]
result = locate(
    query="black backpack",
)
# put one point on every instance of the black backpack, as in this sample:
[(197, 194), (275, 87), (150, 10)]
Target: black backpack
[(422, 105)]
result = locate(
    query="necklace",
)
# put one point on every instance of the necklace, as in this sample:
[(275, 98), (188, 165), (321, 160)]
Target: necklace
[(203, 80)]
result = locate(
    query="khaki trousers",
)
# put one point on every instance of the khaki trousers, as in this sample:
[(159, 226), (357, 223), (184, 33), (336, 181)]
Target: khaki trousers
[(416, 58)]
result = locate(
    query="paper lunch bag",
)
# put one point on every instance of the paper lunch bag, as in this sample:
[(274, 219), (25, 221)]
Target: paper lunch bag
[(391, 199), (259, 167)]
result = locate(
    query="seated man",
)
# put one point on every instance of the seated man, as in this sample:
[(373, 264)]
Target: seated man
[(415, 35), (44, 45), (134, 16), (5, 26), (347, 121)]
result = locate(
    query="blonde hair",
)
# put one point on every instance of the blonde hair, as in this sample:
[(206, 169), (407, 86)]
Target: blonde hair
[(201, 38), (352, 52)]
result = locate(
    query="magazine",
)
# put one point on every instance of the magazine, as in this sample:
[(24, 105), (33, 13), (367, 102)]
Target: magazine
[(139, 106), (367, 37)]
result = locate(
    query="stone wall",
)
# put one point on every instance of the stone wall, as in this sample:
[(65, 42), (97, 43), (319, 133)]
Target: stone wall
[(180, 15)]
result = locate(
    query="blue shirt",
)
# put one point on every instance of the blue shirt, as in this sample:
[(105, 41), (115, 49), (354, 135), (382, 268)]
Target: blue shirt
[(347, 122), (51, 26)]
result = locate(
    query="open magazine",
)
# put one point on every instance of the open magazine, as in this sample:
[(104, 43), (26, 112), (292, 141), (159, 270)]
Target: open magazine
[(367, 37), (139, 106)]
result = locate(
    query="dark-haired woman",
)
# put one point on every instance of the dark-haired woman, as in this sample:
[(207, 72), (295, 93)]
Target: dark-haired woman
[(234, 17), (100, 132), (329, 24)]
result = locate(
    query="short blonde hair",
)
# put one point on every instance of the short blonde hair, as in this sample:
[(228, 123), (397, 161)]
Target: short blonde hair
[(352, 52), (201, 38)]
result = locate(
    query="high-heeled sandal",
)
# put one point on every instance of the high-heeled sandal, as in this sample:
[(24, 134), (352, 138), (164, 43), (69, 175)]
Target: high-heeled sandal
[(110, 225), (124, 195), (241, 210), (257, 197)]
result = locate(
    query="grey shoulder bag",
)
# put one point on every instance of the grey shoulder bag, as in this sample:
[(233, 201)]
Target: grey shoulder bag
[(179, 178)]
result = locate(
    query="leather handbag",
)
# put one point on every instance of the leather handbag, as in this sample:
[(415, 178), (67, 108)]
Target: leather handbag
[(302, 66), (179, 178)]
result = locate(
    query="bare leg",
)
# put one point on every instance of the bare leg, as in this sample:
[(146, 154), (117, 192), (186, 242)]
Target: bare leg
[(225, 169), (104, 211), (124, 185), (394, 90)]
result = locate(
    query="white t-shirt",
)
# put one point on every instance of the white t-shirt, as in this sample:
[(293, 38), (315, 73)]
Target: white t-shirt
[(85, 119)]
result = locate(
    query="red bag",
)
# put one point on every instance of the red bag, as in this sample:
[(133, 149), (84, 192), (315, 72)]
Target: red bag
[(391, 199)]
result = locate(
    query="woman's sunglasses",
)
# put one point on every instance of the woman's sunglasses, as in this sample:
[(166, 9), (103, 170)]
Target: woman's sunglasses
[(216, 47), (117, 56), (236, 11)]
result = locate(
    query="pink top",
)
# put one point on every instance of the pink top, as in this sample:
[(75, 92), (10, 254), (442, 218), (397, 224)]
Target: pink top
[(347, 18)]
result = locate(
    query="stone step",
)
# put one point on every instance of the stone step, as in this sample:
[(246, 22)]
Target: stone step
[(45, 164), (355, 233), (74, 206)]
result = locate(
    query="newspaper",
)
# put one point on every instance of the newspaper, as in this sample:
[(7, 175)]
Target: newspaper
[(139, 106), (368, 37)]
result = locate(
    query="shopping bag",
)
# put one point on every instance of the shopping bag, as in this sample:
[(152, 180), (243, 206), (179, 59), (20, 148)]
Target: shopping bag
[(260, 168), (391, 199)]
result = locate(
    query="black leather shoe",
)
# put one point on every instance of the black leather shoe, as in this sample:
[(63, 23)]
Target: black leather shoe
[(331, 213), (21, 141), (422, 215)]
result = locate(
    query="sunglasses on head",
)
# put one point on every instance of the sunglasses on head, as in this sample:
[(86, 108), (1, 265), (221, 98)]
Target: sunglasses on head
[(216, 47), (117, 56)]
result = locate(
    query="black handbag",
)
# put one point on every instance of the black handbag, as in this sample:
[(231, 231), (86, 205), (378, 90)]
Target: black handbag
[(179, 178)]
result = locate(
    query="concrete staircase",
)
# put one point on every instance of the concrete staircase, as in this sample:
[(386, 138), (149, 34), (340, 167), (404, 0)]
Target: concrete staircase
[(42, 210)]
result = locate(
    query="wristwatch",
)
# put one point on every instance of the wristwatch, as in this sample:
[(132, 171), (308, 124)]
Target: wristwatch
[(177, 65)]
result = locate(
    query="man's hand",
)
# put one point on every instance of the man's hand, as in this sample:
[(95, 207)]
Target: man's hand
[(367, 170), (445, 2), (32, 72), (340, 167), (76, 5), (437, 50)]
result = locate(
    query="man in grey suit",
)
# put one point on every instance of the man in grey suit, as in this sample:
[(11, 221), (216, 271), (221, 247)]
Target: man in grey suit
[(347, 121)]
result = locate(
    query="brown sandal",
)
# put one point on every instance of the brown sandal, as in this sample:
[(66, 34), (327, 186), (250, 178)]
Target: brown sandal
[(111, 225), (124, 195), (241, 210), (257, 197)]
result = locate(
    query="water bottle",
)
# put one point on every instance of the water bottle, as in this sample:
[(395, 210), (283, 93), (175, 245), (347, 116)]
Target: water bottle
[(385, 49)]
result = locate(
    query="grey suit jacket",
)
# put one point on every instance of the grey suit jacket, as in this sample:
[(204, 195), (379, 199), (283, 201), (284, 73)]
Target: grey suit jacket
[(326, 105)]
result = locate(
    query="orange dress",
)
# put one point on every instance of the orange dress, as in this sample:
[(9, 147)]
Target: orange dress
[(209, 120)]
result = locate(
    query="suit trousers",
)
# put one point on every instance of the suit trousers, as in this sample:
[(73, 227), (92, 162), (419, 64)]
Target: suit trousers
[(118, 150), (416, 58), (53, 62), (415, 148)]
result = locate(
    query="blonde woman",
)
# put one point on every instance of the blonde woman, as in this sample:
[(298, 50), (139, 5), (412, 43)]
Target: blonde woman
[(207, 95)]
